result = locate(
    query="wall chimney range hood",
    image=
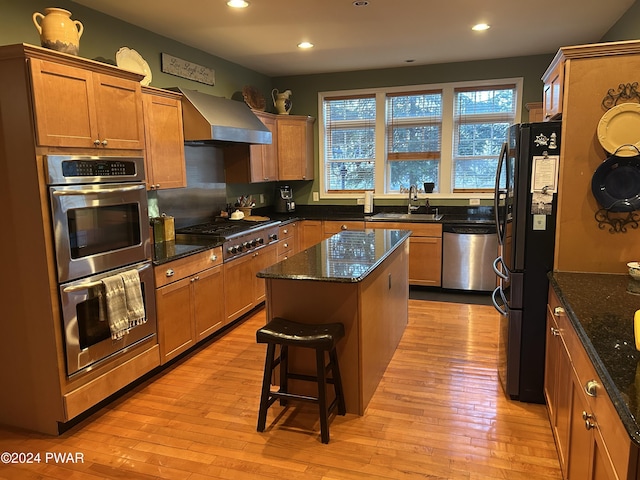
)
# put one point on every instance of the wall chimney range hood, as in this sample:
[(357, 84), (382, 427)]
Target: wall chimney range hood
[(208, 118)]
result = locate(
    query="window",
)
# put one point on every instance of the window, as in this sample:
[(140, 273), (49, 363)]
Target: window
[(414, 133), (390, 138), (481, 119), (349, 143)]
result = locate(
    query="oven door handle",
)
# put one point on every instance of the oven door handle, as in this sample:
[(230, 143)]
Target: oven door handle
[(101, 190), (88, 285)]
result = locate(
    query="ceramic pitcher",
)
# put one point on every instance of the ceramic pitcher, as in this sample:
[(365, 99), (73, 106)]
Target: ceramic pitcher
[(281, 101), (57, 30)]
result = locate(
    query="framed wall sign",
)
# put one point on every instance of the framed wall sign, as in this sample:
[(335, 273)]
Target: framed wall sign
[(186, 69)]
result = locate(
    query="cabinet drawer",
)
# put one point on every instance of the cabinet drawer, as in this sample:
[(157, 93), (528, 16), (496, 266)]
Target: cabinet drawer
[(285, 247), (418, 229), (331, 227), (287, 231), (183, 267)]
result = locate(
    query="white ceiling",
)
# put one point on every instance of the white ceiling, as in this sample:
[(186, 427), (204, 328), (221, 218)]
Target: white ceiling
[(386, 33)]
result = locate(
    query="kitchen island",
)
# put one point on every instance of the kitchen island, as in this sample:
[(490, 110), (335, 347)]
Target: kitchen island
[(356, 277)]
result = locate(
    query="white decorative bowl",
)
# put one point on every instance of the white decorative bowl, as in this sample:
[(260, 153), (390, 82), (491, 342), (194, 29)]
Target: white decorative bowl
[(634, 270)]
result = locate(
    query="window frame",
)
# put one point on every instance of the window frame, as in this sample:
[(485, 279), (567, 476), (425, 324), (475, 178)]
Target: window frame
[(381, 163)]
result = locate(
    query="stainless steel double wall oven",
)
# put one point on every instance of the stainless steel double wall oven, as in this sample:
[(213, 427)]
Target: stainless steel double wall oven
[(101, 228)]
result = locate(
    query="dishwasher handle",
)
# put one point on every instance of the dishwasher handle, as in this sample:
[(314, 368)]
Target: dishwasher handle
[(469, 229)]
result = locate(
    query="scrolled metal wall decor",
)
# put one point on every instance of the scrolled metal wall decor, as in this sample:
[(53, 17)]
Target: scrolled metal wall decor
[(616, 224), (626, 92)]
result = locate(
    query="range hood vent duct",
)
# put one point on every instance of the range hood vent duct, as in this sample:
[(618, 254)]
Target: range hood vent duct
[(208, 118)]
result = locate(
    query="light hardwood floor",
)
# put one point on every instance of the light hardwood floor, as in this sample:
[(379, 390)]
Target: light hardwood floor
[(439, 413)]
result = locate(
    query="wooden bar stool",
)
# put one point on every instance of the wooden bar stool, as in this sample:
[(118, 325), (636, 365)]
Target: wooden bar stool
[(322, 338)]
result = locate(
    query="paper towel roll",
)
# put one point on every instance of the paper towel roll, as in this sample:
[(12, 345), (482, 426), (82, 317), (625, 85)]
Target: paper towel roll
[(368, 202)]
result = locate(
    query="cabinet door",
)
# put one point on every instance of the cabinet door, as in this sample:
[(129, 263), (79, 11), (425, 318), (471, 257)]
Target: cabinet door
[(309, 233), (164, 141), (262, 259), (174, 312), (238, 284), (558, 387), (119, 112), (264, 158), (295, 148), (425, 261), (64, 105), (208, 302)]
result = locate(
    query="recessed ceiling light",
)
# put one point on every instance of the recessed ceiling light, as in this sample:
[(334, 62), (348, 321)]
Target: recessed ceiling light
[(360, 3), (480, 26), (305, 45), (238, 3)]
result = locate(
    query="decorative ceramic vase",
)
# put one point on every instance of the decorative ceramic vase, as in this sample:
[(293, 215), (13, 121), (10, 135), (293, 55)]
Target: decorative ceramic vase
[(57, 30), (281, 101)]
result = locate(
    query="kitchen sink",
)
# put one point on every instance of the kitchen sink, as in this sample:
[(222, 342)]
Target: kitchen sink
[(415, 217)]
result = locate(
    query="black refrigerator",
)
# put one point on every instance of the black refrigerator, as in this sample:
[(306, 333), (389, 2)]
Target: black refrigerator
[(525, 210)]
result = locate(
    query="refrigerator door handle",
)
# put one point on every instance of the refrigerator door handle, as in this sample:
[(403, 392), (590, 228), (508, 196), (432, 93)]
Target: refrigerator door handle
[(503, 311), (499, 269), (500, 223)]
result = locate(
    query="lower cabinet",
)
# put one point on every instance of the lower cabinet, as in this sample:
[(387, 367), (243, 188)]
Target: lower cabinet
[(309, 233), (189, 293), (591, 441), (244, 290), (425, 251)]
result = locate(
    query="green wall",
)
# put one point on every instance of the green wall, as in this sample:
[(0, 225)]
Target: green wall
[(104, 35)]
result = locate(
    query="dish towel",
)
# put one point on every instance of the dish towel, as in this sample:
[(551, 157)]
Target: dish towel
[(133, 297), (116, 302)]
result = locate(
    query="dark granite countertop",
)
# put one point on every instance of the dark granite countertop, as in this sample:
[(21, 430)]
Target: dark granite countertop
[(451, 214), (346, 257), (601, 308), (164, 252)]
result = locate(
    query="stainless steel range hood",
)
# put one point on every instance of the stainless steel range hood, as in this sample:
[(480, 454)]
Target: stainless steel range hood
[(208, 118)]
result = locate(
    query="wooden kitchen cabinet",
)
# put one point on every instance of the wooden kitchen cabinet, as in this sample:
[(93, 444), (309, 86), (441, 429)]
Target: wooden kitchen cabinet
[(189, 305), (331, 227), (287, 240), (253, 163), (425, 250), (245, 290), (77, 107), (164, 139), (553, 90), (295, 147), (591, 441), (309, 233)]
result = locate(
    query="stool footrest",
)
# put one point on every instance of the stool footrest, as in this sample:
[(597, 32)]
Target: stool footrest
[(293, 396)]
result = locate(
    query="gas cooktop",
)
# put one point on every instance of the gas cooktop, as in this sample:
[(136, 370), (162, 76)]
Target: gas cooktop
[(225, 228)]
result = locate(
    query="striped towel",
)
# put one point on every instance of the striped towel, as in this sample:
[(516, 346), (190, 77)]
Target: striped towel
[(124, 301), (133, 296), (116, 306)]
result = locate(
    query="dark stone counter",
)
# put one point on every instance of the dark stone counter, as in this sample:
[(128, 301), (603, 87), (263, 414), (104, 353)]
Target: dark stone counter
[(183, 246), (346, 257), (601, 308)]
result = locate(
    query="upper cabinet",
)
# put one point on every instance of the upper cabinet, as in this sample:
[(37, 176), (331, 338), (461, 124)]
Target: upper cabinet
[(254, 163), (164, 139), (288, 157), (553, 80), (295, 147), (78, 107)]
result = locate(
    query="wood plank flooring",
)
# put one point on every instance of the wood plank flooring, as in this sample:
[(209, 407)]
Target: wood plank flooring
[(439, 413)]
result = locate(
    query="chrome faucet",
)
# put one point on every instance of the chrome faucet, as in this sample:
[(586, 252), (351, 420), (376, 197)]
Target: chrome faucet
[(413, 197)]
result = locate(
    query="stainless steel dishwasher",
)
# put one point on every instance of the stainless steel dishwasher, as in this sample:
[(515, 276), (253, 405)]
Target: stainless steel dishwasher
[(468, 252)]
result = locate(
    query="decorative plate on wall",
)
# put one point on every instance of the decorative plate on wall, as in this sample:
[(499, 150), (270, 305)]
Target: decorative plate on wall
[(619, 130), (616, 184), (129, 59)]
